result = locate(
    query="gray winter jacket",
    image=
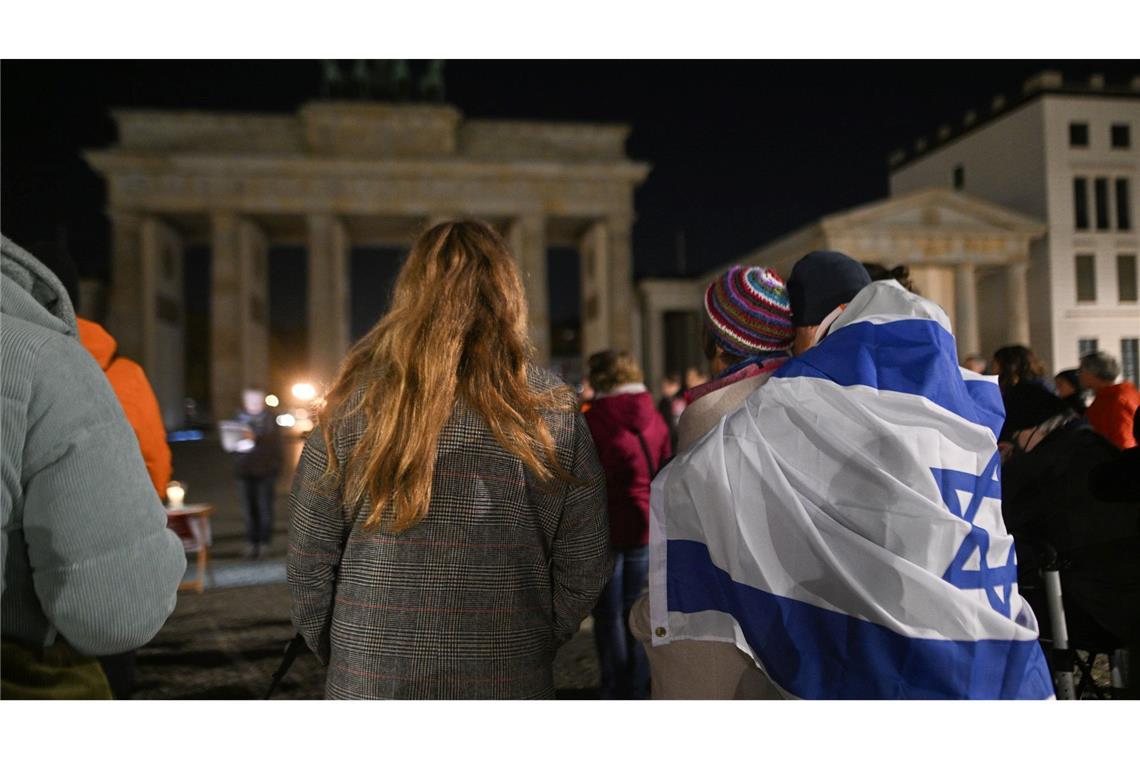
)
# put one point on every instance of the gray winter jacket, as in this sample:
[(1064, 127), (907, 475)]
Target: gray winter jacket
[(86, 553)]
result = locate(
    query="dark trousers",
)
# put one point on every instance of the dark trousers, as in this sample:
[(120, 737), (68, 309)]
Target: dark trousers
[(624, 665), (120, 671), (257, 508)]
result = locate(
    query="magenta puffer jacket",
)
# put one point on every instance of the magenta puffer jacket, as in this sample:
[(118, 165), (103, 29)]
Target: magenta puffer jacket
[(614, 423)]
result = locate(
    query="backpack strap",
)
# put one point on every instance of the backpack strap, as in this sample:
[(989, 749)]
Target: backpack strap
[(653, 469)]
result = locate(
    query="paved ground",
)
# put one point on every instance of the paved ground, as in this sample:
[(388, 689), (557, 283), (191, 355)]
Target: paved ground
[(226, 642)]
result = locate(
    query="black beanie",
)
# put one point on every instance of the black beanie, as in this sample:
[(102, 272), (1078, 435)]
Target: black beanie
[(820, 282), (1027, 405)]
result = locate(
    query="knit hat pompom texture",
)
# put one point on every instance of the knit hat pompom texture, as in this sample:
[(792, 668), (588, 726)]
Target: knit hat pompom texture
[(747, 311)]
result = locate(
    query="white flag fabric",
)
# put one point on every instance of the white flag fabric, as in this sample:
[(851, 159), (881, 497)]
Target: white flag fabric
[(844, 526)]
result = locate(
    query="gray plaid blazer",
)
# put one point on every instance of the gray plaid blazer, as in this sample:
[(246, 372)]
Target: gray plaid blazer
[(472, 602)]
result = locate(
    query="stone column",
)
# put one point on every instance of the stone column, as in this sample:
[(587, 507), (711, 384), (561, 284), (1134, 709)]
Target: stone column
[(527, 239), (1017, 302), (595, 308), (226, 360), (966, 309), (254, 248), (128, 309), (163, 326), (619, 273), (329, 296), (654, 346), (239, 318)]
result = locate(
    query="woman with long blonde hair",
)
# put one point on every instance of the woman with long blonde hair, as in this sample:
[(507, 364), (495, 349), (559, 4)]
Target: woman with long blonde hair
[(448, 526)]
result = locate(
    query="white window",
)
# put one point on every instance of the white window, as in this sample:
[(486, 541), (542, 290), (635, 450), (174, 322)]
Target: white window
[(1086, 278), (1126, 277)]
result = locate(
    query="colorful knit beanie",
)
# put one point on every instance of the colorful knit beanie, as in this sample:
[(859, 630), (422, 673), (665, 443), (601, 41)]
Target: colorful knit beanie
[(747, 311)]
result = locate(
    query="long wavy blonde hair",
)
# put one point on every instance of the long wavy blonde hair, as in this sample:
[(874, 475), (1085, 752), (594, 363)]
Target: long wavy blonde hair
[(456, 327)]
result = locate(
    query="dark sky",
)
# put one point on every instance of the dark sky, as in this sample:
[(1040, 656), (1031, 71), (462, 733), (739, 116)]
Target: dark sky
[(742, 152)]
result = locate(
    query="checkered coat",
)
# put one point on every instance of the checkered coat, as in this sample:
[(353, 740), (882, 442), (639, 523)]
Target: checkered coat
[(472, 602)]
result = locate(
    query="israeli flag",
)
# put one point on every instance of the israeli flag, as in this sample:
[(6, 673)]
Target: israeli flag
[(843, 527)]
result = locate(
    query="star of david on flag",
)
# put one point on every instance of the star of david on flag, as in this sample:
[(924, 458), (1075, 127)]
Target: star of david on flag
[(964, 571), (843, 527)]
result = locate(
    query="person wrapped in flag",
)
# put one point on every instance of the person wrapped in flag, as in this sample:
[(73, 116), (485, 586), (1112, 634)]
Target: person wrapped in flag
[(843, 527)]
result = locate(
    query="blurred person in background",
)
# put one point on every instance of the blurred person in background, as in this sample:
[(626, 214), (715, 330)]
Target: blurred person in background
[(1014, 365), (671, 404), (1067, 385), (448, 528), (748, 336), (136, 396), (976, 363), (89, 566), (585, 395), (1017, 364), (633, 445), (900, 274), (694, 376), (1112, 412), (257, 465)]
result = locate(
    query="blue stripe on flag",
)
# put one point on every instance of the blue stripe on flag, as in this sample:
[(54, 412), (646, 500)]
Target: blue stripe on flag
[(915, 356), (820, 654)]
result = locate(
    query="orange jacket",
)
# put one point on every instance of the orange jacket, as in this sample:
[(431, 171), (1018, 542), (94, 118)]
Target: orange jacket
[(1112, 412), (137, 399)]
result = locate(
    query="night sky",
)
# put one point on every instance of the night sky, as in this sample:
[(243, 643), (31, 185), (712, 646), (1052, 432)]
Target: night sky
[(742, 152)]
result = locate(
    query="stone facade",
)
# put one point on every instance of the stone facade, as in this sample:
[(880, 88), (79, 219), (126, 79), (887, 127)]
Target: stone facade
[(336, 175), (1021, 154)]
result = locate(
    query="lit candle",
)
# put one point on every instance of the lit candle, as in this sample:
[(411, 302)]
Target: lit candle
[(175, 493)]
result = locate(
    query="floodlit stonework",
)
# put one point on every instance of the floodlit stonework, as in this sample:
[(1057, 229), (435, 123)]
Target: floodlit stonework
[(335, 175), (1022, 154)]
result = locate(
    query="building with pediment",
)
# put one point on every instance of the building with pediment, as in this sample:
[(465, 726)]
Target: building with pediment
[(1019, 221), (1064, 152)]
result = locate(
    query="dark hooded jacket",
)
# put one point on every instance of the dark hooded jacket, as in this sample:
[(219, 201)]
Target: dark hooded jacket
[(1047, 495), (615, 423)]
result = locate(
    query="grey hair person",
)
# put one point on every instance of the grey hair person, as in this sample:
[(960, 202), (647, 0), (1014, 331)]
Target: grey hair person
[(1101, 365)]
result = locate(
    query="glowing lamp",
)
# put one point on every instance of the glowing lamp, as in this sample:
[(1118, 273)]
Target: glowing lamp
[(272, 401), (175, 494), (304, 392)]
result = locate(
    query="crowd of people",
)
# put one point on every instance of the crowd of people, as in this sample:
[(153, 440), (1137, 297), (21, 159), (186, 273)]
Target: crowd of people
[(784, 526)]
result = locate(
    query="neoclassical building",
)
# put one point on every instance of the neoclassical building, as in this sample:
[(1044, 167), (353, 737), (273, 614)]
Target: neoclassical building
[(950, 240), (335, 175)]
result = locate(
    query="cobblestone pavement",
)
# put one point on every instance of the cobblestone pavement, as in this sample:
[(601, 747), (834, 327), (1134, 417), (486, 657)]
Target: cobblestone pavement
[(226, 642)]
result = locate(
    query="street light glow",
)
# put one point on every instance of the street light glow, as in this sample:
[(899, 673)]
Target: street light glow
[(272, 400), (286, 420), (304, 392)]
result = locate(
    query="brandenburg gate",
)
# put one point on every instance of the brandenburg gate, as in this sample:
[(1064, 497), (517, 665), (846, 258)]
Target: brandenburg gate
[(334, 175)]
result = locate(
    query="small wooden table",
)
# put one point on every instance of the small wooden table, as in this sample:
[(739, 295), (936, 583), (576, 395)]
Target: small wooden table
[(192, 524)]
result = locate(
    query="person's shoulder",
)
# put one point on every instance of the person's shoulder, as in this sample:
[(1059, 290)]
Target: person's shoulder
[(23, 339), (60, 354), (542, 379), (703, 413)]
